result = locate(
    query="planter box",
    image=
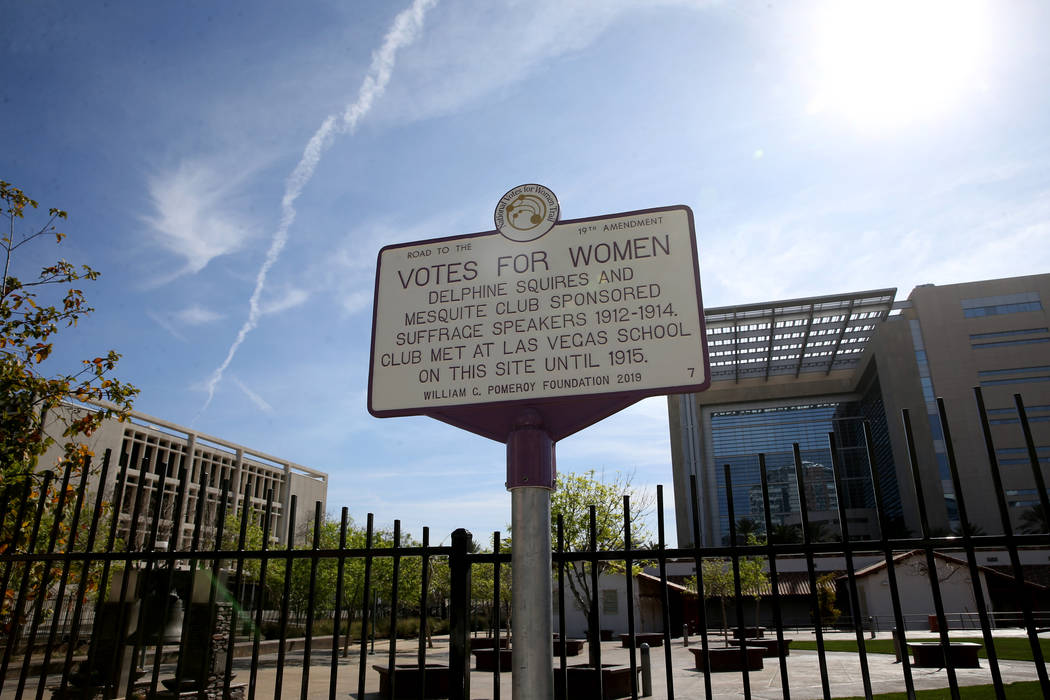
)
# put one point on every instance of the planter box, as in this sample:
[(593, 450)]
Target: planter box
[(770, 646), (931, 654), (489, 642), (583, 682), (407, 681), (749, 632), (486, 659), (573, 647), (730, 658), (653, 639)]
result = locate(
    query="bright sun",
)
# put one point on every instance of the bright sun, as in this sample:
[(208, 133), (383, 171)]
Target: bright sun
[(884, 63)]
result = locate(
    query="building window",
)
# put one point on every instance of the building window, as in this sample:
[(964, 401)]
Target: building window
[(1005, 304), (1015, 380), (1005, 343), (1041, 449), (1035, 414), (1004, 334), (1000, 309), (1014, 370), (1031, 494)]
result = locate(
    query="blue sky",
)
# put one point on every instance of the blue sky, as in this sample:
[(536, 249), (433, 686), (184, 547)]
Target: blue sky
[(233, 169)]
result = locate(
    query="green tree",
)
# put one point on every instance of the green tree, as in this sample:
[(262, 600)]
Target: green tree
[(572, 498), (37, 407), (747, 529), (28, 325), (826, 598), (409, 580), (719, 582), (785, 534), (753, 577), (821, 532), (482, 587)]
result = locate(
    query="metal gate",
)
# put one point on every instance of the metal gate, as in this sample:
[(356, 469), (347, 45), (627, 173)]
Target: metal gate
[(96, 606)]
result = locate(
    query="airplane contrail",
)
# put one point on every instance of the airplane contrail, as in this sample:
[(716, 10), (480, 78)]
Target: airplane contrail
[(402, 32)]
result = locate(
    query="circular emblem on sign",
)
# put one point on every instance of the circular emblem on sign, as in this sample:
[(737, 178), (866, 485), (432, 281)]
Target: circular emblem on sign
[(526, 212)]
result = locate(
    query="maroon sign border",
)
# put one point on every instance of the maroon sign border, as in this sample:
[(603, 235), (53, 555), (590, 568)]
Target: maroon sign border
[(564, 415)]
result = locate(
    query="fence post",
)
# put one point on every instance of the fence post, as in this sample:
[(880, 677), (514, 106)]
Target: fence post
[(530, 480), (647, 672), (459, 616)]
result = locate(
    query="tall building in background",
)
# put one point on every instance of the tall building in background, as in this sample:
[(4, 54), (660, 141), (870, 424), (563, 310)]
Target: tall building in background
[(993, 335), (150, 446), (794, 371)]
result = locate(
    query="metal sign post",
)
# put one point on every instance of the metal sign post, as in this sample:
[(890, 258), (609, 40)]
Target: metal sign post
[(527, 334), (530, 479)]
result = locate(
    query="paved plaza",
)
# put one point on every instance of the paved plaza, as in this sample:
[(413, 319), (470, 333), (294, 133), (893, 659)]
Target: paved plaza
[(844, 672)]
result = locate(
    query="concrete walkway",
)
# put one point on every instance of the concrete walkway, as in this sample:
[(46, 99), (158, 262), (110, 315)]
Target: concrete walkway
[(844, 672)]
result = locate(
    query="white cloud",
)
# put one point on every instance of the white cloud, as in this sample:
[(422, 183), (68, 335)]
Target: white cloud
[(404, 30), (348, 273), (472, 49), (197, 315), (193, 217), (289, 300), (356, 301), (259, 401), (164, 323)]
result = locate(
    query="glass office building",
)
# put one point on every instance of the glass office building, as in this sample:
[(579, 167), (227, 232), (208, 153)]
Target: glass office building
[(785, 374), (738, 436), (792, 371)]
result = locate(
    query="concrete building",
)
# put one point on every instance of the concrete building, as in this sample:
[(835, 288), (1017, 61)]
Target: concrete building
[(792, 371), (149, 446)]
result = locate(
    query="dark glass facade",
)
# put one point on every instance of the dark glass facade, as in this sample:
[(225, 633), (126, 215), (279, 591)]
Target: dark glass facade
[(874, 412), (738, 436)]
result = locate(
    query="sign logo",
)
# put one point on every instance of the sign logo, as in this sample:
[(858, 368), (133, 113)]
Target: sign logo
[(526, 213)]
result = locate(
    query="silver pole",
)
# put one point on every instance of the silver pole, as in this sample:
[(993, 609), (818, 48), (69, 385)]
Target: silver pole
[(531, 621)]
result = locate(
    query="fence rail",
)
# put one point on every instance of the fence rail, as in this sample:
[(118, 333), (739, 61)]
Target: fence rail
[(91, 610)]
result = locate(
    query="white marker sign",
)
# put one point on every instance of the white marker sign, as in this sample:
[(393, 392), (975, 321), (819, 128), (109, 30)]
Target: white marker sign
[(606, 305)]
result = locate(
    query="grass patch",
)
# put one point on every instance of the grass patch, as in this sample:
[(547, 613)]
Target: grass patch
[(1006, 648), (1023, 690)]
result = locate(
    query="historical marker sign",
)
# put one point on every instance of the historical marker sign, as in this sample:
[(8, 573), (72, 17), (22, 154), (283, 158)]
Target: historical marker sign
[(596, 312)]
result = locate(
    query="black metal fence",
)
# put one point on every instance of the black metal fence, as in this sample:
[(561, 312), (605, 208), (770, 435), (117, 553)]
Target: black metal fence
[(94, 606)]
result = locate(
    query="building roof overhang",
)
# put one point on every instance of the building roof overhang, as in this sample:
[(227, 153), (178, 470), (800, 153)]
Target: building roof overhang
[(795, 336)]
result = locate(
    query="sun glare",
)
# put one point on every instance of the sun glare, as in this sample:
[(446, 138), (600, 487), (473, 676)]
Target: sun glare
[(885, 63)]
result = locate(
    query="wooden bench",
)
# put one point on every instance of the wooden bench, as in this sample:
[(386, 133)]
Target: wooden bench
[(931, 654), (653, 639), (407, 680), (730, 658)]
